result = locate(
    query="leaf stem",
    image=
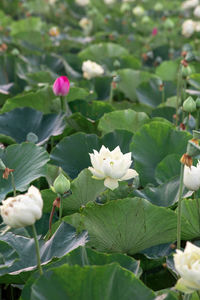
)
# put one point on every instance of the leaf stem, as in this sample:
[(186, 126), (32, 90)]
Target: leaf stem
[(37, 249), (179, 208), (63, 104), (13, 184), (60, 208)]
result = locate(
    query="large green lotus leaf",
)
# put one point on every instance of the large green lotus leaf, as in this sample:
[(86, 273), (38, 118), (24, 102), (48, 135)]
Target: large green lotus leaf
[(63, 241), (19, 122), (72, 153), (129, 225), (92, 283), (191, 213), (80, 123), (84, 189), (168, 168), (152, 143), (8, 256), (123, 119), (165, 194), (167, 70), (149, 93), (164, 112), (40, 100), (194, 80), (85, 256), (93, 110), (100, 51), (102, 87), (130, 80), (27, 24), (29, 163), (76, 93)]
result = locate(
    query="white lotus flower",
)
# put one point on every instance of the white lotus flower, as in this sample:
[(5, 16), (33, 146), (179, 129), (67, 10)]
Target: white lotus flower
[(189, 4), (197, 11), (86, 24), (187, 264), (112, 166), (191, 177), (22, 210), (197, 27), (188, 28), (91, 69), (138, 11), (82, 2)]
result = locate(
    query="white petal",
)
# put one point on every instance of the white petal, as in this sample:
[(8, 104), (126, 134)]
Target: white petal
[(96, 173), (111, 183), (129, 174)]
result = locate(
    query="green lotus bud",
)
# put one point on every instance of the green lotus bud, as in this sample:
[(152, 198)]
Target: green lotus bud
[(196, 134), (189, 105), (2, 166), (145, 19), (32, 137), (125, 7), (189, 56), (15, 52), (192, 149), (158, 6), (61, 185), (186, 71), (169, 24), (198, 102)]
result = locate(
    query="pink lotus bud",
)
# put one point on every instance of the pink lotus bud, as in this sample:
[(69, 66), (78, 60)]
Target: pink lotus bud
[(154, 31), (61, 86)]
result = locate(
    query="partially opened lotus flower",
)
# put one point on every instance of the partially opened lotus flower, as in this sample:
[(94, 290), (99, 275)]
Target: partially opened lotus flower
[(187, 264), (22, 210), (112, 166), (61, 86)]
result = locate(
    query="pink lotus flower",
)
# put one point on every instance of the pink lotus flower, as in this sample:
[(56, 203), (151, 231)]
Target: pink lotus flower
[(61, 86), (154, 31)]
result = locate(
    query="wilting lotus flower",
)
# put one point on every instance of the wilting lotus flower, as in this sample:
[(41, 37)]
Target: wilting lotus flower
[(22, 210), (188, 28), (82, 2), (112, 166), (191, 177), (54, 31), (187, 264), (61, 86), (91, 69)]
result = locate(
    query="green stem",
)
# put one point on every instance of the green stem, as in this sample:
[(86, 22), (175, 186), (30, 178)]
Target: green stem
[(63, 104), (84, 257), (178, 97), (163, 94), (37, 249), (198, 293), (111, 93), (197, 119), (60, 208), (13, 184), (179, 208)]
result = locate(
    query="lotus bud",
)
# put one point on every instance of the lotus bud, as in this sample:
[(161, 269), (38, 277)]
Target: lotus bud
[(196, 134), (169, 24), (61, 184), (186, 71), (193, 148), (125, 7), (32, 138), (145, 19), (158, 6), (189, 105), (198, 102), (61, 86)]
